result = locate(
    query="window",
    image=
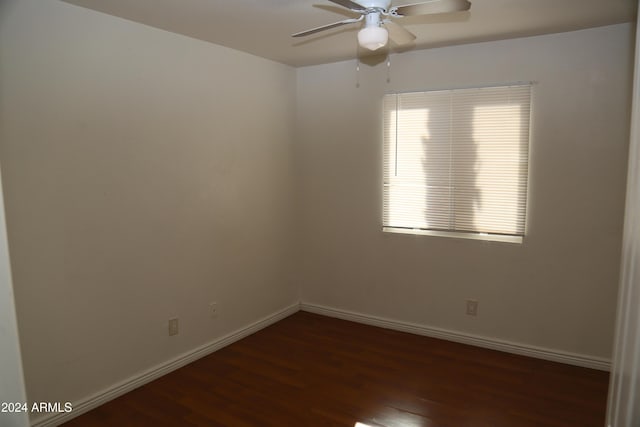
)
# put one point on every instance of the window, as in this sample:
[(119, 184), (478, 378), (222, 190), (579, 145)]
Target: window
[(456, 162)]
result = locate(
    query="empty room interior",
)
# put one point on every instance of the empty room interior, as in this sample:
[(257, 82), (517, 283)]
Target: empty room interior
[(210, 222)]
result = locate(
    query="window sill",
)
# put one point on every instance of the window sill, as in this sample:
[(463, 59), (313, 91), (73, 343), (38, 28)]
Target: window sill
[(456, 234)]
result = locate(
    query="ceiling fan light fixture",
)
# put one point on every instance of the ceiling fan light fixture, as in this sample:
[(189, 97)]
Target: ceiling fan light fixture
[(379, 16), (373, 38)]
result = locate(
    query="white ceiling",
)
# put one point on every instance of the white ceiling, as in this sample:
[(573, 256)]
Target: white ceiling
[(263, 27)]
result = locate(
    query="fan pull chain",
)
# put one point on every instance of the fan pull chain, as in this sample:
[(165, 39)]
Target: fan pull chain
[(357, 72), (388, 68)]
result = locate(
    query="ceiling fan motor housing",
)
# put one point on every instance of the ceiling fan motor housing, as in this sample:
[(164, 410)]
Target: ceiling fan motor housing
[(375, 4)]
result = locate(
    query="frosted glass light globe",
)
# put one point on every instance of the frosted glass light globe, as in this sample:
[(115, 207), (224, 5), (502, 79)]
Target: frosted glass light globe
[(373, 38)]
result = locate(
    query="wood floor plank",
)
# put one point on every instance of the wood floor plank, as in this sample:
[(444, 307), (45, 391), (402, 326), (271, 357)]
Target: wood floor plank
[(310, 370)]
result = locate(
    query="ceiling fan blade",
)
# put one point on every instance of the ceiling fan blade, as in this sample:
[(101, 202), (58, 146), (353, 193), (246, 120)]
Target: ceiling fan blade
[(349, 5), (326, 27), (400, 35), (431, 7)]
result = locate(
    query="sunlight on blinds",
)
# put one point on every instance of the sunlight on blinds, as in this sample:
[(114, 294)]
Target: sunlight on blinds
[(499, 168), (408, 196), (457, 160)]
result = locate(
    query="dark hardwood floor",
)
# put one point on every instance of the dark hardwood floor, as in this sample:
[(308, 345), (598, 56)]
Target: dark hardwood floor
[(310, 370)]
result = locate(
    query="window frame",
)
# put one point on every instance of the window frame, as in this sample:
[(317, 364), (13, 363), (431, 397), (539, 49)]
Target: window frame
[(517, 238)]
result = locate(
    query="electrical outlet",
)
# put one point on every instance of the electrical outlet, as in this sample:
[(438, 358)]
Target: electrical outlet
[(213, 309), (173, 326), (472, 307)]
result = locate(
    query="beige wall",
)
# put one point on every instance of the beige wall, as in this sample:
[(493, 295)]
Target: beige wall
[(145, 174), (12, 387), (558, 289)]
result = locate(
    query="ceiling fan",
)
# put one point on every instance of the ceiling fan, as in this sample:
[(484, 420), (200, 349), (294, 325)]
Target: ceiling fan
[(378, 14)]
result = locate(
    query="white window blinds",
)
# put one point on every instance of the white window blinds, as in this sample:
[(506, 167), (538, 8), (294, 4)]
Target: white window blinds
[(457, 160)]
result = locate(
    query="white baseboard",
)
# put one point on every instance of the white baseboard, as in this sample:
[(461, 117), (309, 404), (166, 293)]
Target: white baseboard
[(478, 341), (157, 371)]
